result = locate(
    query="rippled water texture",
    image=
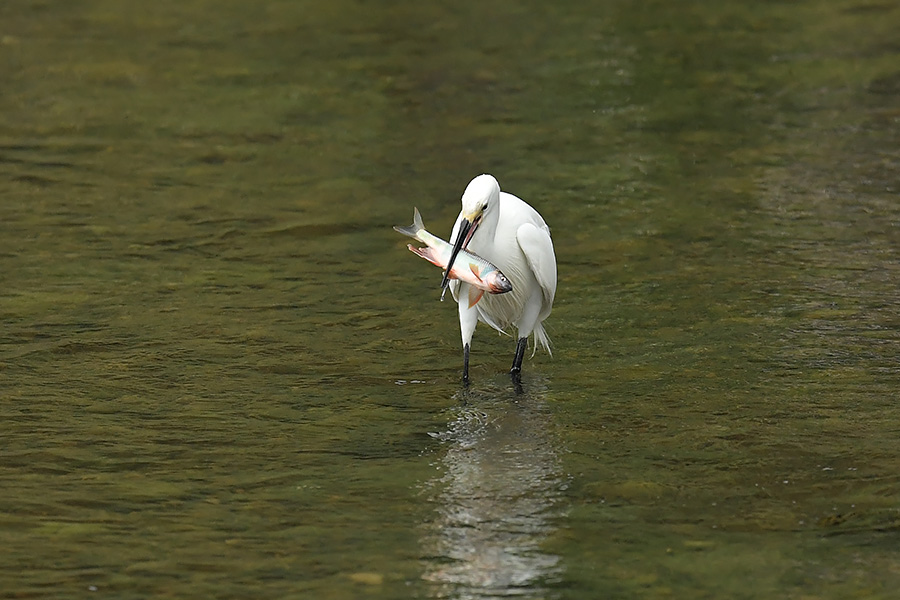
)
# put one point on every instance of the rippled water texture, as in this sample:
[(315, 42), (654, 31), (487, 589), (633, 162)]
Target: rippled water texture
[(222, 375)]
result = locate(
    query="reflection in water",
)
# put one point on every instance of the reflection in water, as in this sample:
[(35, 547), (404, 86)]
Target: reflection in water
[(497, 501)]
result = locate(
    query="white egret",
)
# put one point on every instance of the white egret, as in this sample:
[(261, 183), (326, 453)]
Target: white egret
[(511, 234)]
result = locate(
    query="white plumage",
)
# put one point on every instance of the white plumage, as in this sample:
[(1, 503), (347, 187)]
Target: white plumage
[(512, 235)]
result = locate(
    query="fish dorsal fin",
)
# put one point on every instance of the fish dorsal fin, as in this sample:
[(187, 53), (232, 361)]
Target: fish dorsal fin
[(475, 295), (475, 271)]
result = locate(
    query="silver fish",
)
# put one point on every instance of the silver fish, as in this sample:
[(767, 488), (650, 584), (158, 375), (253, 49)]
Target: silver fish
[(470, 268)]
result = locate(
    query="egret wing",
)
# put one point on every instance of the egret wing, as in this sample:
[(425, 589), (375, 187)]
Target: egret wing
[(537, 247)]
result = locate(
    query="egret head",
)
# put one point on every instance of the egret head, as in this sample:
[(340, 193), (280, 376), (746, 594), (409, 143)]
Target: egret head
[(481, 198), (482, 195)]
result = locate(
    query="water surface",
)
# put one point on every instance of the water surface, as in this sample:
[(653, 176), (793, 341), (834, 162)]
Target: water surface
[(223, 375)]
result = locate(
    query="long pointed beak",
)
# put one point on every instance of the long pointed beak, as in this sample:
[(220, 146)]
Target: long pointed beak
[(466, 228)]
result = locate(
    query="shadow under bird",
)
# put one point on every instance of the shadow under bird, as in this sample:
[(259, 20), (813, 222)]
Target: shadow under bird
[(506, 231)]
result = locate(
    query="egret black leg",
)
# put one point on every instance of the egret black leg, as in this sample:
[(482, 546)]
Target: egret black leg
[(516, 371), (466, 364)]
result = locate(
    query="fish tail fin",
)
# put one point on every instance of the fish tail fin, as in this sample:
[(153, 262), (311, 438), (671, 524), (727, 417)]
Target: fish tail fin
[(417, 219), (414, 229)]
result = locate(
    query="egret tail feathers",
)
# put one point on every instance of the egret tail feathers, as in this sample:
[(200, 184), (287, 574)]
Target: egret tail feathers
[(541, 338), (414, 229)]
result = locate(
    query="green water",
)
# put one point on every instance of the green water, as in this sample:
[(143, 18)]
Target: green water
[(223, 376)]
